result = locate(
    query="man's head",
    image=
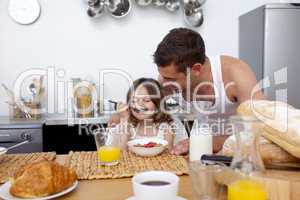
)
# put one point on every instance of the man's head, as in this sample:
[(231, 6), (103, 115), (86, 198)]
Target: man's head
[(180, 51)]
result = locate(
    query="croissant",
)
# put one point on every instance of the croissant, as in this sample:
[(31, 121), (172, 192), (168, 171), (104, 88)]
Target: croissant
[(41, 179)]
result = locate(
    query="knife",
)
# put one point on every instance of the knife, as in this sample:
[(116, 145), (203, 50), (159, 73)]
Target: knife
[(211, 159)]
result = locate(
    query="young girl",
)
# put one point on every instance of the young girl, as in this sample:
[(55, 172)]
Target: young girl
[(145, 114)]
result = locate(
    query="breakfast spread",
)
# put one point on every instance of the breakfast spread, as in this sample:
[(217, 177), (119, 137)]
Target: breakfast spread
[(41, 179)]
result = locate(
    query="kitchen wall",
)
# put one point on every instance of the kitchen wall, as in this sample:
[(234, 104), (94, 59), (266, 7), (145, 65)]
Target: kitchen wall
[(64, 37)]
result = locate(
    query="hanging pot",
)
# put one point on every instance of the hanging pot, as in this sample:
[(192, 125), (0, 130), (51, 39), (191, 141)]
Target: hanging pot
[(159, 3), (96, 10), (173, 5), (143, 2), (193, 13), (118, 8)]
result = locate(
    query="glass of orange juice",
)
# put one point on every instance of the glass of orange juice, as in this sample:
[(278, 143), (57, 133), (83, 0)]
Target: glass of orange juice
[(247, 189), (108, 146)]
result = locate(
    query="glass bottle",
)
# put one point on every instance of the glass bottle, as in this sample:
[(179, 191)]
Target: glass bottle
[(247, 160), (247, 131)]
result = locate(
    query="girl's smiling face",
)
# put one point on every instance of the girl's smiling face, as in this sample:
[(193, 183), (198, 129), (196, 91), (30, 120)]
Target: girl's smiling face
[(142, 106)]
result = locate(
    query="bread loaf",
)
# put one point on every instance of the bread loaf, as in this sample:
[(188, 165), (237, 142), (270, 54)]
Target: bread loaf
[(281, 122), (41, 179), (270, 152)]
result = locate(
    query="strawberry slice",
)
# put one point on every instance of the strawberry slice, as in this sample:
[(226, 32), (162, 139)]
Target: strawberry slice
[(150, 145)]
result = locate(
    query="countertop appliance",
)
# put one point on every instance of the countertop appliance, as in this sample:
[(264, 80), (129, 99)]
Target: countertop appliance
[(13, 132), (52, 133), (61, 136), (269, 40), (64, 138)]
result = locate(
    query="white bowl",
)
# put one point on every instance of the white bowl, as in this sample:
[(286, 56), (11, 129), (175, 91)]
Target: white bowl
[(147, 152)]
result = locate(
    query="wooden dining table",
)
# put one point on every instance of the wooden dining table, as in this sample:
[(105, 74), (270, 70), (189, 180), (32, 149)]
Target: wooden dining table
[(280, 185), (115, 189)]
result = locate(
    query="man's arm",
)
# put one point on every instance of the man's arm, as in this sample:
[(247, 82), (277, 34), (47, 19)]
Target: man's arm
[(245, 82)]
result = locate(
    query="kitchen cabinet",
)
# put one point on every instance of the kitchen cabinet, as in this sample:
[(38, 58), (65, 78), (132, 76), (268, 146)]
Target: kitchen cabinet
[(52, 133), (13, 132)]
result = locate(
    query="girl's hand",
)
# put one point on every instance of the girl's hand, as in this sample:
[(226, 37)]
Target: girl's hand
[(181, 148), (121, 115), (169, 136), (123, 110)]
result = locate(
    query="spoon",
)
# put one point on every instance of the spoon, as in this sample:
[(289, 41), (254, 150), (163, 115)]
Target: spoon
[(9, 93), (3, 150), (139, 110), (33, 89)]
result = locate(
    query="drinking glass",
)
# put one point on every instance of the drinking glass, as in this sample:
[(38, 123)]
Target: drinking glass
[(247, 131), (247, 160), (108, 146), (204, 181)]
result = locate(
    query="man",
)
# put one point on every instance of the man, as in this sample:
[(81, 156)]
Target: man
[(223, 81)]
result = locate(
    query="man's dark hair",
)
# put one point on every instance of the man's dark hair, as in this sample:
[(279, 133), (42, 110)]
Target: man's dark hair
[(182, 47)]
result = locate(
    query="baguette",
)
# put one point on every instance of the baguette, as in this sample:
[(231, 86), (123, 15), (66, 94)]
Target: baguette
[(270, 152), (281, 122)]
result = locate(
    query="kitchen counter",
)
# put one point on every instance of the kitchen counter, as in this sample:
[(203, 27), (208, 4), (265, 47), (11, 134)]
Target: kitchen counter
[(6, 123), (53, 119), (63, 120)]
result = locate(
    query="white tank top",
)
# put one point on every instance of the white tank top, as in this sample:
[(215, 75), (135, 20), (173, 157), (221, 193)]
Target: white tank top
[(222, 105)]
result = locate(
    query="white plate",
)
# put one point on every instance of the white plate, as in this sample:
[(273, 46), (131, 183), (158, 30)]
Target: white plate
[(4, 192), (178, 198), (3, 150)]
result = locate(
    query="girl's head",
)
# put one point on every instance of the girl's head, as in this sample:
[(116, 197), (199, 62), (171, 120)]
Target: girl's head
[(145, 100)]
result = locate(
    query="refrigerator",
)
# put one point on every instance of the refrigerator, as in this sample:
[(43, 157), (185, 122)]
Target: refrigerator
[(269, 41)]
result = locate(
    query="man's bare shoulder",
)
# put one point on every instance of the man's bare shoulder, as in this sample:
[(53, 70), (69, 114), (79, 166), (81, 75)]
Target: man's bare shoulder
[(239, 72), (232, 62), (233, 68)]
